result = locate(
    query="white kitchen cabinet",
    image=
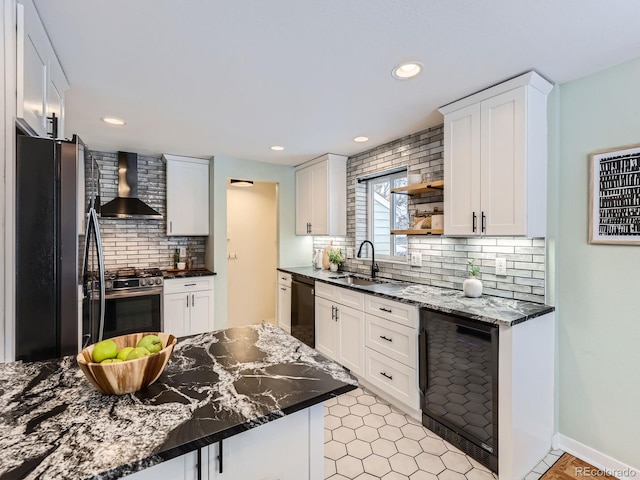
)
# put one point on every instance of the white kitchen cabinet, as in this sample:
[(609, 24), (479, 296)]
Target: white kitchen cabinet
[(187, 195), (188, 305), (284, 301), (340, 330), (321, 196), (41, 82), (254, 454), (184, 467), (495, 160)]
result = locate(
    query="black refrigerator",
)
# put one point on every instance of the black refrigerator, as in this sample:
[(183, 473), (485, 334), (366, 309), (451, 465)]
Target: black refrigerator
[(47, 250)]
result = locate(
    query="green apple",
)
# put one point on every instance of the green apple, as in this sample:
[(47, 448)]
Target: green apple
[(151, 343), (138, 352), (124, 352), (103, 350), (112, 360)]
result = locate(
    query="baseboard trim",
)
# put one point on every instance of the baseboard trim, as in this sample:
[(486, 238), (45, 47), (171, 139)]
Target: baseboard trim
[(598, 459)]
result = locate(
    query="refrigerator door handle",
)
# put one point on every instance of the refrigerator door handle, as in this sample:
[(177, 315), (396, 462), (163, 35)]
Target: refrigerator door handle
[(96, 231)]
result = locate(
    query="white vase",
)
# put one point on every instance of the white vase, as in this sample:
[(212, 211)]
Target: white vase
[(334, 267), (472, 287)]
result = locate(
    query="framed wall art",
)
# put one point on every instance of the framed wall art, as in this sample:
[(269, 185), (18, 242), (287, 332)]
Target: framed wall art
[(614, 196)]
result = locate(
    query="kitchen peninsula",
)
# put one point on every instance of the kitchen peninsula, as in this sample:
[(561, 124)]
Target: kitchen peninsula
[(218, 388)]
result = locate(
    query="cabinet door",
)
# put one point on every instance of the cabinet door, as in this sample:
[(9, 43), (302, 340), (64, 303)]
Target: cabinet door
[(284, 308), (183, 467), (350, 338), (31, 69), (258, 453), (503, 185), (56, 86), (176, 313), (326, 328), (201, 318), (303, 201), (462, 171), (320, 198), (187, 196)]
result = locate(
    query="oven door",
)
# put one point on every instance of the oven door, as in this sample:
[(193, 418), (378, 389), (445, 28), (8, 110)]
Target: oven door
[(133, 311)]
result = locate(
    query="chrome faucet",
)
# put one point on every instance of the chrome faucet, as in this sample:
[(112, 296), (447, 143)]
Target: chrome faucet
[(374, 267)]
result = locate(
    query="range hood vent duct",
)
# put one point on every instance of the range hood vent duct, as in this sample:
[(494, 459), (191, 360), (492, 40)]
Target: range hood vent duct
[(127, 204)]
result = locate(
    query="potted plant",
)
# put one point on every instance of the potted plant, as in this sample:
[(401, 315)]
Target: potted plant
[(472, 287), (335, 258)]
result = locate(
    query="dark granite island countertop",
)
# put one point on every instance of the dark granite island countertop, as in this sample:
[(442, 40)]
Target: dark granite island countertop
[(486, 309), (55, 425)]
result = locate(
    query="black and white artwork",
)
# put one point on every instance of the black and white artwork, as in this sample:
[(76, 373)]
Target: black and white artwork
[(614, 198)]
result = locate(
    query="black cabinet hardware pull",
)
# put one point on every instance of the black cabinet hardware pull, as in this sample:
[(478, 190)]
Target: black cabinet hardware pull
[(220, 457), (199, 464), (190, 284), (193, 300), (390, 377), (187, 300), (337, 314), (283, 289), (484, 222), (170, 226), (388, 310), (474, 222), (386, 338)]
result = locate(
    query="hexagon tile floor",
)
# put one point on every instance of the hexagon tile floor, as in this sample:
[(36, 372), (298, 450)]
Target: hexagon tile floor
[(367, 439)]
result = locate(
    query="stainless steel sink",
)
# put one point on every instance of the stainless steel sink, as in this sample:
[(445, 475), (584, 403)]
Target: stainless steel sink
[(359, 280)]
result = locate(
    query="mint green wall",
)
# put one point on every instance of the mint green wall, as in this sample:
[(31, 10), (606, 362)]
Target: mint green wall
[(598, 286), (293, 250)]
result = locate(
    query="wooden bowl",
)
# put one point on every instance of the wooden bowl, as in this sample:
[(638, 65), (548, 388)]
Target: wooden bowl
[(130, 376)]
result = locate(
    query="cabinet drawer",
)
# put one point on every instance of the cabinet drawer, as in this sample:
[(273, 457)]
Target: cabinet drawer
[(180, 285), (343, 296), (398, 312), (392, 339), (392, 377), (284, 278)]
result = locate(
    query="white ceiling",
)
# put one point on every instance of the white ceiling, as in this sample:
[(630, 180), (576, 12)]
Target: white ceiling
[(220, 77)]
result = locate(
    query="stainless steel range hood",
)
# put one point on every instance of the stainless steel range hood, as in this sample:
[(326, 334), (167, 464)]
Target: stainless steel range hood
[(127, 204)]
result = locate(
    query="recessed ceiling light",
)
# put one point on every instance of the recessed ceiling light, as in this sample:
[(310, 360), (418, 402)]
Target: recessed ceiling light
[(407, 70), (277, 148), (113, 121), (361, 139)]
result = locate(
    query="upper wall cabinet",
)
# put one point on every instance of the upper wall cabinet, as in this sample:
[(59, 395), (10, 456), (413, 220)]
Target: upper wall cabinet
[(495, 160), (321, 196), (187, 196), (41, 81)]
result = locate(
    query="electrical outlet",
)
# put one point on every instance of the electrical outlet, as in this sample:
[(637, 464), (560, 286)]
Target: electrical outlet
[(349, 252), (183, 252), (416, 259), (501, 266)]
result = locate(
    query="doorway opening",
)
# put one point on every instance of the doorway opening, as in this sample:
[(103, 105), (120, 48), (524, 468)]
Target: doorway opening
[(252, 252)]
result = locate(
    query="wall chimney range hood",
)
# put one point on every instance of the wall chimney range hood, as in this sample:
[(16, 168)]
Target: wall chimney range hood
[(127, 204)]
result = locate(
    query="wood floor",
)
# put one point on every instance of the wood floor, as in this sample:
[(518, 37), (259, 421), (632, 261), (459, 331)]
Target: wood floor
[(570, 468)]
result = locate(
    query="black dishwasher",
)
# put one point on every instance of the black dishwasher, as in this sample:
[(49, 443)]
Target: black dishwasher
[(303, 318), (459, 383)]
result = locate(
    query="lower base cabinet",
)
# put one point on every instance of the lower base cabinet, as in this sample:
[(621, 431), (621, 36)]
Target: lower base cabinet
[(188, 306), (256, 454)]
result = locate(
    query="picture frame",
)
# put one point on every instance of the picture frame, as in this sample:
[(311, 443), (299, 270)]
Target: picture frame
[(614, 196)]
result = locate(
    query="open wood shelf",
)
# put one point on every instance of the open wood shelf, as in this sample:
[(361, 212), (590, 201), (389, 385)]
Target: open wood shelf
[(416, 231), (417, 188)]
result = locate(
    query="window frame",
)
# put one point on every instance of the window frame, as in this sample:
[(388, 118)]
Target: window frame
[(391, 176)]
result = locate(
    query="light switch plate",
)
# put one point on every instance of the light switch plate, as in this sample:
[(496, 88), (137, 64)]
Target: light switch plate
[(416, 259), (501, 266), (349, 252)]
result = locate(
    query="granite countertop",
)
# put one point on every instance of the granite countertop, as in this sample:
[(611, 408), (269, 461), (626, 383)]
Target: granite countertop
[(55, 425), (194, 272), (487, 309)]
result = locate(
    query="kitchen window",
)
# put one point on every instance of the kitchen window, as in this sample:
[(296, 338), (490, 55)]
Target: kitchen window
[(386, 212)]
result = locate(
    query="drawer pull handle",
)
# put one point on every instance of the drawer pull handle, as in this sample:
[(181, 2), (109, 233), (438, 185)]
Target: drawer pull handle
[(283, 289), (283, 278), (386, 338), (390, 377), (190, 284), (388, 310)]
